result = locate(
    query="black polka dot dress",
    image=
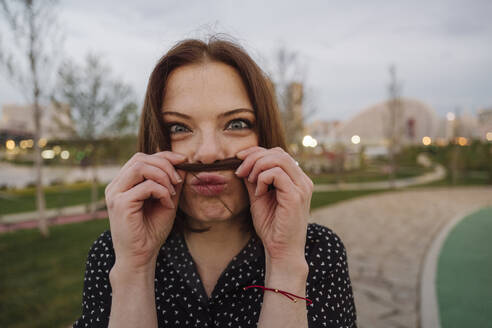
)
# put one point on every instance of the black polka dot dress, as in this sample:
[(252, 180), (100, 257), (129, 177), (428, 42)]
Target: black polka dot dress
[(181, 300)]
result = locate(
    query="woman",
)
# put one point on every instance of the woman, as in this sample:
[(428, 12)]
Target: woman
[(191, 235)]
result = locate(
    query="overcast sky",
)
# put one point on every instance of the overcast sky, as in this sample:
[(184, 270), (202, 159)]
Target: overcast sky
[(442, 49)]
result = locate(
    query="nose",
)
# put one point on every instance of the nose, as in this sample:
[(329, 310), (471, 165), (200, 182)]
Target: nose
[(209, 148)]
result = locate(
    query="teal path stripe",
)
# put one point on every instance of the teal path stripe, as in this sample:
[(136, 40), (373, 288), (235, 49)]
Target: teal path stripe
[(464, 273)]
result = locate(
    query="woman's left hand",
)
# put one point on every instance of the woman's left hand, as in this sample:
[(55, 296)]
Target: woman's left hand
[(280, 215)]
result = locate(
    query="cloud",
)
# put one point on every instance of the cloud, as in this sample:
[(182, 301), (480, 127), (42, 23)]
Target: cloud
[(440, 48)]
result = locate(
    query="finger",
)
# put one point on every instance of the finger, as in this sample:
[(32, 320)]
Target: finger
[(276, 159), (245, 168), (276, 177), (251, 187), (146, 190), (179, 188), (170, 159), (139, 172), (168, 165), (245, 152)]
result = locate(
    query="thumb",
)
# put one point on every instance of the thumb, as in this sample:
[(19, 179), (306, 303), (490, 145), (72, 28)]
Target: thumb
[(251, 187)]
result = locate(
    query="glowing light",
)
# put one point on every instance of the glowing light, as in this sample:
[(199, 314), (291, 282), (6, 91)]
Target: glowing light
[(65, 154), (489, 136), (426, 141), (355, 139), (48, 154), (309, 141), (42, 142), (10, 144), (450, 116), (462, 141), (29, 143)]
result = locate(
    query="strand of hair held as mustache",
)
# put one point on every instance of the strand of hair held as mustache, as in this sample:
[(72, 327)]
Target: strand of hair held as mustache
[(225, 164)]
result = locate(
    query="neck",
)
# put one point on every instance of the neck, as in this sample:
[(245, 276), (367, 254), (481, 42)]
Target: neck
[(224, 239)]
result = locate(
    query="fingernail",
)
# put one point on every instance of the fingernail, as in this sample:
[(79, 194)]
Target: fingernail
[(178, 177), (239, 168), (173, 192), (180, 155)]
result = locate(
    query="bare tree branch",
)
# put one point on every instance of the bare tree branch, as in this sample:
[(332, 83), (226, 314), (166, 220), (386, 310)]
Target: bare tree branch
[(28, 63)]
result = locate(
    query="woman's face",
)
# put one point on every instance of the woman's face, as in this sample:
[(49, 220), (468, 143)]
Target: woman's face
[(209, 116)]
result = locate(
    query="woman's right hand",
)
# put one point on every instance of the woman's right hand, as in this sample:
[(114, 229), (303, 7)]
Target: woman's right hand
[(142, 201)]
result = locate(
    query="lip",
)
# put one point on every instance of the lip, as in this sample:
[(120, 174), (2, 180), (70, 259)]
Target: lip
[(208, 184)]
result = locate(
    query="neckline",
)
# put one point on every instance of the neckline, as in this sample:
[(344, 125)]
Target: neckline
[(253, 251)]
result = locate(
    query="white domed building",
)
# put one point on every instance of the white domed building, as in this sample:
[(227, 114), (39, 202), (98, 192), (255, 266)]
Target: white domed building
[(371, 126)]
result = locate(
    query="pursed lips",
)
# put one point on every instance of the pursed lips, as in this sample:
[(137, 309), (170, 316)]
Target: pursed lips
[(208, 184)]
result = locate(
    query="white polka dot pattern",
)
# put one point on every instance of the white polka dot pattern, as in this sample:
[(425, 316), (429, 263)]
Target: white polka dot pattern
[(181, 300)]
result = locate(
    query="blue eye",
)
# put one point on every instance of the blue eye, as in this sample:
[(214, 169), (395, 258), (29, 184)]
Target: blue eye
[(177, 128), (238, 124)]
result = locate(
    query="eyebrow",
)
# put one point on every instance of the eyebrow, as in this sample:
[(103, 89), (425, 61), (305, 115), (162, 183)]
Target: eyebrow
[(228, 113)]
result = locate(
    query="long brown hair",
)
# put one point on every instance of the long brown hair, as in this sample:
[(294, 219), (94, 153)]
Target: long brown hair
[(153, 134)]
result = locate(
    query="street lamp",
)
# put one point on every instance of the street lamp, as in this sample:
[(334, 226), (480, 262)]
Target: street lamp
[(309, 141), (355, 139), (10, 144)]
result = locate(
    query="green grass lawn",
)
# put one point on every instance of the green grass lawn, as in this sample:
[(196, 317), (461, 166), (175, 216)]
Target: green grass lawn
[(24, 200), (464, 274), (463, 180), (41, 279), (326, 198)]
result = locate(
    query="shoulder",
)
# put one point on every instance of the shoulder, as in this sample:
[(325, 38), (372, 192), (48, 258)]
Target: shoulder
[(103, 243), (324, 248), (101, 253)]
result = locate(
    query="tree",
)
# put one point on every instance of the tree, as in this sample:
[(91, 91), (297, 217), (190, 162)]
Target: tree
[(34, 40), (101, 107), (289, 79), (394, 128)]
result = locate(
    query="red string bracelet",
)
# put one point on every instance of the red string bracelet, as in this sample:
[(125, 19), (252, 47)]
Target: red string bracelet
[(287, 294)]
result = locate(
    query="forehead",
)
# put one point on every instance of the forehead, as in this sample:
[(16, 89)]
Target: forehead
[(205, 89)]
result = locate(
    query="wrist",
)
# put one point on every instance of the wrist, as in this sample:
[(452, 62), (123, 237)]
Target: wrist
[(293, 271), (121, 274)]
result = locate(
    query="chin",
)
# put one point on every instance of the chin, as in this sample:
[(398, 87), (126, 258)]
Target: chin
[(212, 214)]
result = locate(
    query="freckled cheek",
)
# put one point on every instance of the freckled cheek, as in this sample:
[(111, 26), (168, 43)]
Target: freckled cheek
[(245, 143), (183, 147)]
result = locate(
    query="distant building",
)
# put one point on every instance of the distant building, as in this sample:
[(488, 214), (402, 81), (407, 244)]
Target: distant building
[(371, 126), (325, 132), (296, 97), (17, 121), (485, 123)]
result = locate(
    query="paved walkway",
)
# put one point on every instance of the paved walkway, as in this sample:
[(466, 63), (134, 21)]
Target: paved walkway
[(49, 213), (438, 174), (387, 237)]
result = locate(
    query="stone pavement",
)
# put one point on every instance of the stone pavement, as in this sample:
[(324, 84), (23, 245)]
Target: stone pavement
[(387, 236), (437, 174)]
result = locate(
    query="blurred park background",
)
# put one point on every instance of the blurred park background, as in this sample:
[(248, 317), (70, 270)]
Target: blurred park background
[(387, 106)]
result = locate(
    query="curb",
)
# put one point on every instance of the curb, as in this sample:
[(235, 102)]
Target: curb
[(429, 307)]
